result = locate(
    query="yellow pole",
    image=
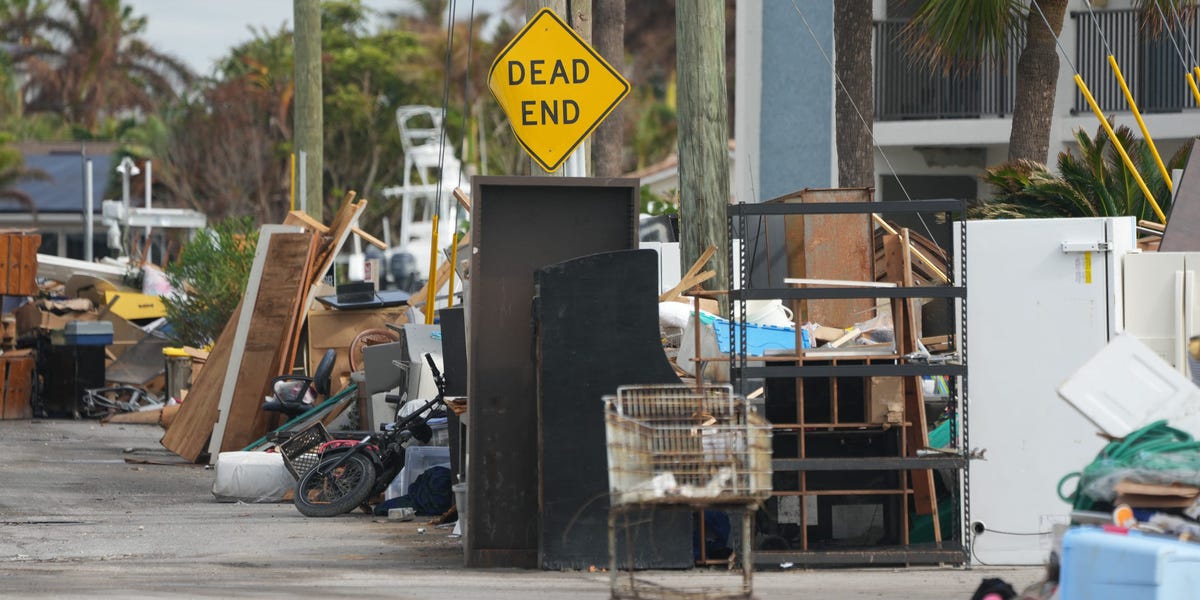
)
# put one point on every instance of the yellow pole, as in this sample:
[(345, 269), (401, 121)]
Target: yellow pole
[(453, 265), (1137, 114), (1087, 95), (433, 264), (292, 180), (1192, 84)]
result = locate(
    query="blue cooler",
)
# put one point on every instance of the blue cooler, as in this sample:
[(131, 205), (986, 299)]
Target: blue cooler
[(1098, 565), (89, 333)]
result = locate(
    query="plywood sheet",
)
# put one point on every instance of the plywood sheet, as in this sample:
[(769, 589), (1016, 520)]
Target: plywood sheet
[(266, 345), (188, 435)]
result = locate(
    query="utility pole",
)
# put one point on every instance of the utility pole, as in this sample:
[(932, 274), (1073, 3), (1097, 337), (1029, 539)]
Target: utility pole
[(308, 116), (703, 136), (609, 32), (578, 15)]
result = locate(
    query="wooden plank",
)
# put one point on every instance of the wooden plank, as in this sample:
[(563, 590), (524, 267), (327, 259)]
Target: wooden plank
[(188, 435), (5, 240), (27, 284), (692, 271), (898, 251), (368, 238), (299, 217), (297, 325), (276, 279), (18, 392)]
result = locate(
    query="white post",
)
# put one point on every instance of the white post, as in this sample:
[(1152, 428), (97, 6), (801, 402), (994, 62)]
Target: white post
[(149, 183), (88, 217), (301, 172)]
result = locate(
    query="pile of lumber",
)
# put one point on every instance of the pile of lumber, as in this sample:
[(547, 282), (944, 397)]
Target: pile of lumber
[(223, 409)]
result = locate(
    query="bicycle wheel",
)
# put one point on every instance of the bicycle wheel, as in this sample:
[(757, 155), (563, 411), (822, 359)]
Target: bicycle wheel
[(323, 492)]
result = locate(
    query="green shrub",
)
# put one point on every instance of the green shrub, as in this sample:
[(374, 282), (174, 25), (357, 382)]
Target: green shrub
[(210, 279)]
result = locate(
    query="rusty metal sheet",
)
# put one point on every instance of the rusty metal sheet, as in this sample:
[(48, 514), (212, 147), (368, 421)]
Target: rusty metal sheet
[(830, 247)]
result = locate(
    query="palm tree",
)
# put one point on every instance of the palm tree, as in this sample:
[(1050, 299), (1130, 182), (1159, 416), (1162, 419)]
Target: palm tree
[(89, 63), (947, 34), (1094, 183)]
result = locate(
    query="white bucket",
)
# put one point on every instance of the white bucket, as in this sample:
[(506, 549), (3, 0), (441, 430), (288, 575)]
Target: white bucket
[(768, 312), (460, 501)]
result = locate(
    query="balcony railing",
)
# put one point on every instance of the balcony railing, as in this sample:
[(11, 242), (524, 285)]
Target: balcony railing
[(1147, 57), (905, 89)]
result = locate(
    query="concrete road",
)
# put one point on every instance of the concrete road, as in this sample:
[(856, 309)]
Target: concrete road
[(78, 521)]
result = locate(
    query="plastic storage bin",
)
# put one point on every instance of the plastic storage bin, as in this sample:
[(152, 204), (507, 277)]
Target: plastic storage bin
[(417, 459), (1100, 565)]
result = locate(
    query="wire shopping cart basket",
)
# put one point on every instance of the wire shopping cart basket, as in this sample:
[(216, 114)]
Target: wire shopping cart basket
[(685, 445)]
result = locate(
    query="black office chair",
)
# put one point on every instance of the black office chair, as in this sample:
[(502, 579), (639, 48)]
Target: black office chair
[(293, 402)]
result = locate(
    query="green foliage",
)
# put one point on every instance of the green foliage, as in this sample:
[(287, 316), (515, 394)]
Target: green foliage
[(1093, 183), (210, 279), (654, 204)]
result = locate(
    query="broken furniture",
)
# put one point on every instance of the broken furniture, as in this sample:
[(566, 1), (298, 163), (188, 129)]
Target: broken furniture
[(844, 486), (262, 339), (520, 224), (18, 262), (293, 395), (17, 381), (579, 363)]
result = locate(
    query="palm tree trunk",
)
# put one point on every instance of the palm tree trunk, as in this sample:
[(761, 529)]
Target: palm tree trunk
[(1037, 74), (852, 46), (608, 30)]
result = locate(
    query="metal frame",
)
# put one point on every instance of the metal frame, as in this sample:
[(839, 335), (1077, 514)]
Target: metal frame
[(952, 551)]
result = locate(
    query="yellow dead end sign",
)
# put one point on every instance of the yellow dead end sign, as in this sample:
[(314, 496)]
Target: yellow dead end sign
[(554, 88)]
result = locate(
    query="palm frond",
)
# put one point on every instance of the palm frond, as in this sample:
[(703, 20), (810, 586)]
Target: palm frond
[(945, 35)]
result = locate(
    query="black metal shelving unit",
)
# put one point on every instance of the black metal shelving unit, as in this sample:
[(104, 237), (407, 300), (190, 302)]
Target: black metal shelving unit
[(889, 474)]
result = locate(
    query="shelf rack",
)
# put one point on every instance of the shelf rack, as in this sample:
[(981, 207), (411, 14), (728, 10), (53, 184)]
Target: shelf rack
[(905, 465)]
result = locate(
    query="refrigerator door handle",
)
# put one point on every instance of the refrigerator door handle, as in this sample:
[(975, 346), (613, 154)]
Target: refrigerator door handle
[(1189, 321), (1179, 344)]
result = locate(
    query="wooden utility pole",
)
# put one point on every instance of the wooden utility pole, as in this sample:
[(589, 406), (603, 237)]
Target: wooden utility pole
[(578, 15), (703, 135), (609, 32), (307, 114)]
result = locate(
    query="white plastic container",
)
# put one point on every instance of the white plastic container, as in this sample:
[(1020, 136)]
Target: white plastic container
[(251, 477), (460, 502)]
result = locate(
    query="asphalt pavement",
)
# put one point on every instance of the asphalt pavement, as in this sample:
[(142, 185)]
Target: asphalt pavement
[(84, 514)]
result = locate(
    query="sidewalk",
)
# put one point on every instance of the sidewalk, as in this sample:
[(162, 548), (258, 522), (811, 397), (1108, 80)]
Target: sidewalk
[(77, 520)]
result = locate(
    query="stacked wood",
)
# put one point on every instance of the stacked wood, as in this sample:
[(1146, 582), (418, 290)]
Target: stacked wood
[(18, 262), (223, 408), (931, 265)]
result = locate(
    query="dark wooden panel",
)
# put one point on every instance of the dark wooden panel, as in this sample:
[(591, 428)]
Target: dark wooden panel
[(597, 321), (1183, 223), (518, 226)]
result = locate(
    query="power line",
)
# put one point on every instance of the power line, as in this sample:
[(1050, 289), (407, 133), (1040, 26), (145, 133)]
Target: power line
[(861, 118)]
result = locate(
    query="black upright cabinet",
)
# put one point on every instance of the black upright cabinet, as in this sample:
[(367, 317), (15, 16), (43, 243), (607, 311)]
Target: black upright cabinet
[(67, 372)]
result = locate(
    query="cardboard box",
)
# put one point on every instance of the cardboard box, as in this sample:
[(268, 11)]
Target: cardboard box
[(51, 315), (337, 329), (885, 400)]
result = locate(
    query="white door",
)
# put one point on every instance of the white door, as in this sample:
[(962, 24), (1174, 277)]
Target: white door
[(1041, 302)]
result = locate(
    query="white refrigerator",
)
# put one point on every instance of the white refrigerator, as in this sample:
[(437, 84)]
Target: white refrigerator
[(1043, 296)]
